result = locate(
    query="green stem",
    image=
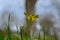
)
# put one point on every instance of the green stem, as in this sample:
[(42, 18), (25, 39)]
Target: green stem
[(44, 35), (39, 36)]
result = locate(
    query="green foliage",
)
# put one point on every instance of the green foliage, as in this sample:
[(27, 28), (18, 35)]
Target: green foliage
[(22, 32), (1, 36), (39, 36), (21, 35)]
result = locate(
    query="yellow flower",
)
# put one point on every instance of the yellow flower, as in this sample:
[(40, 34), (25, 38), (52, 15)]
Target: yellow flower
[(34, 17), (31, 17)]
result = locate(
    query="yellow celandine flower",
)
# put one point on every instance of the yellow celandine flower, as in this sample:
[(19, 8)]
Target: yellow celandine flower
[(31, 17), (28, 16), (34, 17)]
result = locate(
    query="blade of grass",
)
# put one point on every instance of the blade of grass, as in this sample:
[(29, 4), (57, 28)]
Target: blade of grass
[(39, 36), (1, 36), (8, 29)]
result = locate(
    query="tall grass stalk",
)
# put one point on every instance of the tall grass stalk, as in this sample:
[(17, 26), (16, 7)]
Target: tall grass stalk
[(39, 36)]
